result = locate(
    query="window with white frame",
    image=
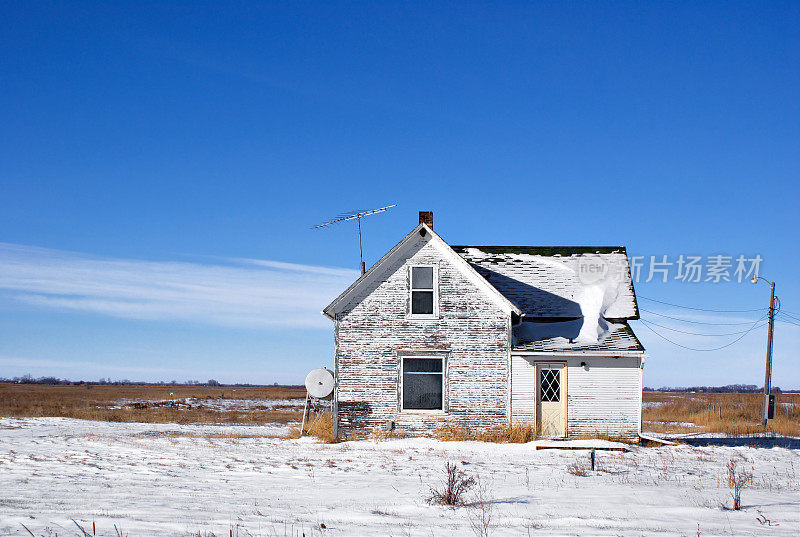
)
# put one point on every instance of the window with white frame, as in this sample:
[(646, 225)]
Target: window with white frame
[(423, 294), (423, 383)]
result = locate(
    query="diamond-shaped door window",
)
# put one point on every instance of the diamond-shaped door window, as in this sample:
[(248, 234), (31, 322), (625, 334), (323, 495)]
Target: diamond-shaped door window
[(550, 385)]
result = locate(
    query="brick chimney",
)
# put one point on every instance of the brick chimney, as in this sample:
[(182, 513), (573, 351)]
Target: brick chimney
[(426, 217)]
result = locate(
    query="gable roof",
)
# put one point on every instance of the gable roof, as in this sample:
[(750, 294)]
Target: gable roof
[(543, 281), (416, 235)]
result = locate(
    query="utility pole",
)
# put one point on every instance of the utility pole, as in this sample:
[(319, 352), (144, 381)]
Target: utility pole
[(768, 372)]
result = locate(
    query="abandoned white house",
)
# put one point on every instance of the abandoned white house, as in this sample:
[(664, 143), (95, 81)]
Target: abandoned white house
[(486, 336)]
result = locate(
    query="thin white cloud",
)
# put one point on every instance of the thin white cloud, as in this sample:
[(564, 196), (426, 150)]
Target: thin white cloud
[(241, 292), (58, 365), (313, 269)]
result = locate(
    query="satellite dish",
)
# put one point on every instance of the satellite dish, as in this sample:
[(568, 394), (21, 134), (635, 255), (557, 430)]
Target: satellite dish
[(319, 383)]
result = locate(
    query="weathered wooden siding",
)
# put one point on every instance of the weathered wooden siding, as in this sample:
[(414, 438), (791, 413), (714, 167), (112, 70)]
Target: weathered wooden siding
[(471, 332), (604, 400)]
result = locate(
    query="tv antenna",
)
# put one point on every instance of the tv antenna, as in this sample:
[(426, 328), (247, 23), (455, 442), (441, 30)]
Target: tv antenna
[(356, 215)]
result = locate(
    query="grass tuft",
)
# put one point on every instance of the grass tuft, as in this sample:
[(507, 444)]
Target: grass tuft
[(515, 434), (321, 427)]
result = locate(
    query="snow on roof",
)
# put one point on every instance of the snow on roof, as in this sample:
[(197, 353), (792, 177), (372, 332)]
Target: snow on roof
[(570, 336), (559, 281)]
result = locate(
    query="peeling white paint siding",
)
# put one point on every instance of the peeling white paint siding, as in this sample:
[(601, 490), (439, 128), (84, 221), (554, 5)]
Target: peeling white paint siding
[(604, 398), (374, 330)]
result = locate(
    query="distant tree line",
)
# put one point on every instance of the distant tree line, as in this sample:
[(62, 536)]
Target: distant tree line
[(730, 388), (28, 379)]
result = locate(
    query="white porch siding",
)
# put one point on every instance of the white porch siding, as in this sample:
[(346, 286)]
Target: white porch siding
[(523, 390), (603, 400), (606, 399)]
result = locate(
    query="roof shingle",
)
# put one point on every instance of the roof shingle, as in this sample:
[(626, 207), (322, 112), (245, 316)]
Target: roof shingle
[(562, 336), (543, 281)]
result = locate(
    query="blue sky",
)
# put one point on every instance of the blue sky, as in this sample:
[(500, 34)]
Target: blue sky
[(162, 164)]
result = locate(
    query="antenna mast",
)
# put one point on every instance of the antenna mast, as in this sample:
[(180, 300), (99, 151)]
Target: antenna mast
[(357, 215)]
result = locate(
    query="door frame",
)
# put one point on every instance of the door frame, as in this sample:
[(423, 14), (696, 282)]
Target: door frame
[(551, 364)]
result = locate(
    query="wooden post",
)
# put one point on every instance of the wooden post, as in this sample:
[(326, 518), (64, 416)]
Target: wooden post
[(305, 412), (360, 249), (591, 457), (768, 372)]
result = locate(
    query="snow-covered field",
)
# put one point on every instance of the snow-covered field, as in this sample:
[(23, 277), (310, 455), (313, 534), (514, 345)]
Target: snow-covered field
[(164, 479), (216, 404)]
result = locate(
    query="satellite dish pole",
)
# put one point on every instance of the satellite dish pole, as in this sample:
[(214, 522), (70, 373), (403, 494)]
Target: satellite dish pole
[(357, 215), (319, 385)]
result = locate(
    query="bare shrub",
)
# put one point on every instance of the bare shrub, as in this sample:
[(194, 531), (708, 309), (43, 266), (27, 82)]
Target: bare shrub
[(480, 518), (456, 485), (578, 468), (738, 479)]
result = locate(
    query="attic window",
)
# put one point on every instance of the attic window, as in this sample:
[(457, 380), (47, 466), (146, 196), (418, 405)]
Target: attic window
[(423, 290)]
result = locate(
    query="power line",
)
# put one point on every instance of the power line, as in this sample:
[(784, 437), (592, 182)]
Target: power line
[(790, 315), (695, 322), (701, 350), (699, 334), (699, 309), (789, 322)]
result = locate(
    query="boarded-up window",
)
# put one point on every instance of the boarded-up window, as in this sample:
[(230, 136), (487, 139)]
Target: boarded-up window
[(422, 293), (423, 383)]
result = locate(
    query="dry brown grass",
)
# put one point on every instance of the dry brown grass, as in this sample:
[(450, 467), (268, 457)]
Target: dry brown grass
[(379, 435), (321, 427), (728, 413), (605, 435), (97, 402), (578, 468), (515, 434)]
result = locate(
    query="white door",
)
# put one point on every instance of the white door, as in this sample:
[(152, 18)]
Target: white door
[(551, 398)]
